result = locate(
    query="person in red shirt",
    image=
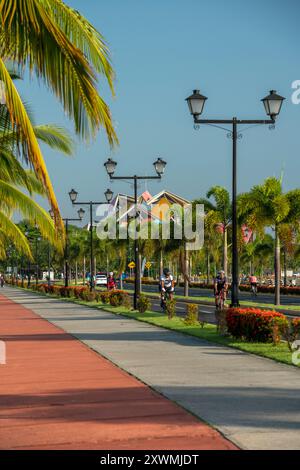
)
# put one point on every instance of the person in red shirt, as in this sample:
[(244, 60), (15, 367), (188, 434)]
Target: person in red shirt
[(111, 282), (253, 283)]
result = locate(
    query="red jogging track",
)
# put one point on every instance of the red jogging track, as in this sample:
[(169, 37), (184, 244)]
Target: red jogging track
[(56, 393)]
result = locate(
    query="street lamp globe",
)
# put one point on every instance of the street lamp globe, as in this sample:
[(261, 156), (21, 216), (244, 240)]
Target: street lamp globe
[(110, 166), (108, 195), (196, 103), (73, 195), (81, 213), (272, 104), (159, 166)]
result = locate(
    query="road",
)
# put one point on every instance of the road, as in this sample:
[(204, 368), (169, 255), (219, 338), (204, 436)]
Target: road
[(207, 312), (198, 292)]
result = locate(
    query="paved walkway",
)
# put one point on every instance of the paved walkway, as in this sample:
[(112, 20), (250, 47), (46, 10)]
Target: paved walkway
[(253, 401), (55, 393)]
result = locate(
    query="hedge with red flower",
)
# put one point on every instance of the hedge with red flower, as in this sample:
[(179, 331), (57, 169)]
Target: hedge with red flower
[(252, 324)]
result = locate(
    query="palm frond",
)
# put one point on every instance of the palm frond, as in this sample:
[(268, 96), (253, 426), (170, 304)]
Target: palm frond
[(19, 118), (12, 198), (46, 35), (55, 137), (15, 235)]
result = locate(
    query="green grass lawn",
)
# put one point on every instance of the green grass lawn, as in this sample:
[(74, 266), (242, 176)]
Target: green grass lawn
[(279, 352)]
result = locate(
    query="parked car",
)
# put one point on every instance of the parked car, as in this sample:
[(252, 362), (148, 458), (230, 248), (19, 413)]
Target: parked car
[(101, 279)]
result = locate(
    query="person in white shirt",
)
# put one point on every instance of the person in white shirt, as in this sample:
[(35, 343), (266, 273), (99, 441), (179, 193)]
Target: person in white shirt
[(166, 284)]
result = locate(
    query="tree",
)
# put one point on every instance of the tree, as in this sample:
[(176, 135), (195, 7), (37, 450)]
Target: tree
[(222, 211), (266, 205), (65, 51), (14, 180)]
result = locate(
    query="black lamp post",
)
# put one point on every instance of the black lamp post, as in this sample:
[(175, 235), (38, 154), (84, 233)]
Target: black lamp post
[(272, 103), (73, 196), (110, 166), (80, 213)]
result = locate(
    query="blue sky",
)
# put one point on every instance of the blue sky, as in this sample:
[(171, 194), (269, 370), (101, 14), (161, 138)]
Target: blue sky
[(234, 51)]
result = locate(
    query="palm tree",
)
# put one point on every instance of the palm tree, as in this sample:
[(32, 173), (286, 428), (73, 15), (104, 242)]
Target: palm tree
[(222, 211), (14, 178), (64, 50), (266, 205)]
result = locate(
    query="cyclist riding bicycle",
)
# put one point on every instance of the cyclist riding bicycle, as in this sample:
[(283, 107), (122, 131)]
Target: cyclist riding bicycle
[(253, 283), (166, 286), (220, 287)]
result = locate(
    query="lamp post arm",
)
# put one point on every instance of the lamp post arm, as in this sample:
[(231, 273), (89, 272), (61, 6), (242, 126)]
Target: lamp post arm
[(237, 121), (135, 177), (93, 203)]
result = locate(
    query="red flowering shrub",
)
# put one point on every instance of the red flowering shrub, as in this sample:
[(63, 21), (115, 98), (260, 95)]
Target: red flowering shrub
[(118, 298), (105, 297), (77, 291), (252, 324)]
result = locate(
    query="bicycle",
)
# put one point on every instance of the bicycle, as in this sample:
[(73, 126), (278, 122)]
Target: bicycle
[(220, 299), (165, 296), (254, 289), (219, 313)]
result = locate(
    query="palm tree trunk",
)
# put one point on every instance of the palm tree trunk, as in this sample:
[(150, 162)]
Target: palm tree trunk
[(161, 263), (207, 268), (285, 267), (225, 256), (277, 267), (186, 269), (84, 270), (76, 273)]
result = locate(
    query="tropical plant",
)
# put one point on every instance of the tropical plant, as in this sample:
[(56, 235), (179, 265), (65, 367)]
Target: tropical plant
[(14, 179), (266, 205), (64, 50), (222, 212)]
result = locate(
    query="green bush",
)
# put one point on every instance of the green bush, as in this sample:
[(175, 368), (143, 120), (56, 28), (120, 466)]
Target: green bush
[(143, 304), (171, 308), (191, 317), (88, 296), (105, 297), (117, 298)]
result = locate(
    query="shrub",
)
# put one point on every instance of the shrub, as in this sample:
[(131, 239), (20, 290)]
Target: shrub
[(117, 298), (56, 290), (280, 329), (104, 297), (78, 291), (191, 317), (171, 308), (66, 291), (143, 304), (87, 295), (126, 303), (252, 324), (291, 331)]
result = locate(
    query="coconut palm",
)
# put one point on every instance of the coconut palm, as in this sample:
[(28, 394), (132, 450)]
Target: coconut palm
[(14, 179), (266, 205), (222, 210), (65, 51)]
